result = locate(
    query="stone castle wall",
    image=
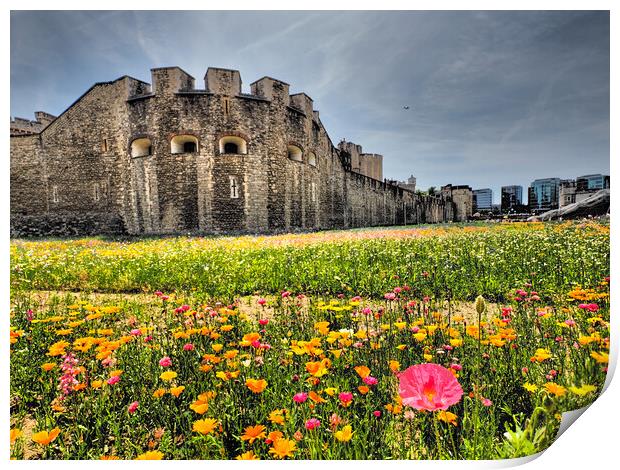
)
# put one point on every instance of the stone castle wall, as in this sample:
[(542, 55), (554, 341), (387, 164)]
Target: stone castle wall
[(125, 158)]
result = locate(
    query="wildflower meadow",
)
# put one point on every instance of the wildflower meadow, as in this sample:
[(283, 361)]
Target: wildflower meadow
[(445, 342)]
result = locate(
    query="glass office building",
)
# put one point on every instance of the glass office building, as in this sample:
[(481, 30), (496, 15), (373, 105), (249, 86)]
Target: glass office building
[(543, 194), (483, 199), (512, 198)]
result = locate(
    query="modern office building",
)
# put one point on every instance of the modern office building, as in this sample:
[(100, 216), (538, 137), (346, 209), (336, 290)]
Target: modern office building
[(592, 182), (543, 194), (512, 198), (483, 199)]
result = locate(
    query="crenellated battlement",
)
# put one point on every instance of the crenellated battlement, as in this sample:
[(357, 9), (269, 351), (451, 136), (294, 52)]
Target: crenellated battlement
[(21, 126)]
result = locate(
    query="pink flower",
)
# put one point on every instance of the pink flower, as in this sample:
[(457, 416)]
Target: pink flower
[(300, 397), (136, 332), (114, 379), (366, 311), (188, 347), (29, 314), (133, 407), (429, 387), (261, 301), (370, 380), (285, 294), (263, 321), (148, 338), (345, 398), (486, 402), (397, 290), (165, 362), (165, 297), (456, 367), (377, 413), (334, 420), (159, 293), (390, 296), (570, 322), (312, 423), (256, 343)]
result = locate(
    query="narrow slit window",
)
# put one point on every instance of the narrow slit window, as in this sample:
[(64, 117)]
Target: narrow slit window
[(96, 191), (54, 193), (234, 187)]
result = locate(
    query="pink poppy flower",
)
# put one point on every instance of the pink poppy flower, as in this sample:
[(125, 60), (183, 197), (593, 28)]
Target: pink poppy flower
[(312, 423), (377, 413), (165, 362), (429, 387), (188, 347), (263, 321), (300, 397), (370, 380), (114, 379), (133, 407), (135, 332)]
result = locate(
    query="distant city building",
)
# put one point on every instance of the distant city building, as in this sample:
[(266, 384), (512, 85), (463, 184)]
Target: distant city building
[(512, 198), (572, 191), (543, 194), (409, 184), (483, 199), (592, 182), (462, 197)]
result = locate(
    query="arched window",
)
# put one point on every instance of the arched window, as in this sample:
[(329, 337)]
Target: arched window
[(312, 159), (295, 153), (184, 144), (141, 147), (233, 145)]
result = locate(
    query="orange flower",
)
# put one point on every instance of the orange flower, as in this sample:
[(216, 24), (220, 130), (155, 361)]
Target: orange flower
[(15, 433), (274, 436), (176, 391), (45, 438), (48, 366), (256, 385), (447, 417), (315, 397), (283, 448), (96, 384), (319, 368), (205, 426), (160, 392), (78, 387), (363, 389), (362, 371), (253, 432), (109, 457)]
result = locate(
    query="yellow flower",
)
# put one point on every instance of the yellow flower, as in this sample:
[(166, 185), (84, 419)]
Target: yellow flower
[(283, 448), (45, 438), (331, 391), (530, 387), (601, 358), (420, 336), (456, 342), (583, 390), (541, 355), (256, 385), (160, 392), (394, 366), (319, 368), (217, 347), (176, 391), (344, 435), (554, 389), (96, 384), (251, 433), (322, 327), (447, 417), (249, 455), (205, 426), (48, 366), (168, 375), (276, 416), (151, 455), (226, 327)]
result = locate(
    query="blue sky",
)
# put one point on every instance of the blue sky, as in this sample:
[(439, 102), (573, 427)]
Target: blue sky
[(495, 98)]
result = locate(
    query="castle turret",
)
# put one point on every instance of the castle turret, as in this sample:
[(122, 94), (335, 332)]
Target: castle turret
[(167, 80), (223, 81), (271, 89)]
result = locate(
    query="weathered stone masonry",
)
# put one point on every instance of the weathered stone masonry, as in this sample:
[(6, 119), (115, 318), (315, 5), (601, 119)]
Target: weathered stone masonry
[(128, 158)]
